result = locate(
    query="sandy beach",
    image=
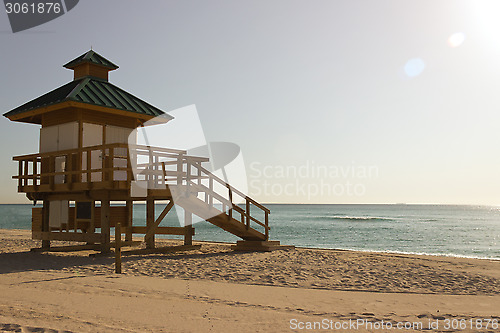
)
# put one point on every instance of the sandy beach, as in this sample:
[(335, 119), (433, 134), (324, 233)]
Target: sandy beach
[(216, 289)]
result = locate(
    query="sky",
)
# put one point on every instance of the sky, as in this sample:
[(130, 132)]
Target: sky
[(343, 101)]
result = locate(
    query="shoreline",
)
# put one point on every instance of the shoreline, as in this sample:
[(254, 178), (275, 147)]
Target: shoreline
[(389, 252)]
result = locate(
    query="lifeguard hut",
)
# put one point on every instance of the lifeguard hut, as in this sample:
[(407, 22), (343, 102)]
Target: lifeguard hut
[(88, 165)]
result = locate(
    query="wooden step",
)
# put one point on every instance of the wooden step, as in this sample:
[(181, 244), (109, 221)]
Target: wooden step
[(260, 246)]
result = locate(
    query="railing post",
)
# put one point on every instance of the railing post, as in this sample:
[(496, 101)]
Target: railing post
[(267, 224), (52, 169), (89, 167), (211, 188), (26, 172), (103, 165), (188, 176), (230, 202), (111, 166), (79, 166), (130, 156), (153, 170), (69, 169), (199, 173), (164, 175), (179, 169), (247, 211), (206, 196), (35, 171), (20, 173)]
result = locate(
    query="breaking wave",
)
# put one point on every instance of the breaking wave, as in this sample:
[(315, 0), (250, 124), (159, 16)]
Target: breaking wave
[(357, 218)]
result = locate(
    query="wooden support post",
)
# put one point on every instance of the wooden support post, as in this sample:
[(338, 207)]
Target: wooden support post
[(152, 228), (188, 228), (130, 220), (45, 222), (150, 220), (105, 225), (118, 250), (91, 229), (92, 217)]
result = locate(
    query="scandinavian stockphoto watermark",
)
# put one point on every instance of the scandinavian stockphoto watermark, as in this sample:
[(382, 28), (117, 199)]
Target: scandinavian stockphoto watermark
[(186, 163), (26, 14), (310, 179)]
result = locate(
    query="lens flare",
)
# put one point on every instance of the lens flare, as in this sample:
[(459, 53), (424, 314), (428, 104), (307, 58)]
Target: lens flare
[(414, 67), (456, 39)]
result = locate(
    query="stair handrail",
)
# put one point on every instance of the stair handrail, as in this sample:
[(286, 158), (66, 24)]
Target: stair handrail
[(232, 190)]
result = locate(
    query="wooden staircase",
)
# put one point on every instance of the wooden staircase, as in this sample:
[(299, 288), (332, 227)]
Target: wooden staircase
[(220, 219), (194, 190)]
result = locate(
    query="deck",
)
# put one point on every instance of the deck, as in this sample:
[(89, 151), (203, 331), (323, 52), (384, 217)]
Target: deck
[(121, 172)]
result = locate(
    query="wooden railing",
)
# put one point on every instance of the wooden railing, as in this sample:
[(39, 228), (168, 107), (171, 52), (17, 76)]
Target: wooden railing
[(88, 165), (96, 164), (201, 182), (105, 166)]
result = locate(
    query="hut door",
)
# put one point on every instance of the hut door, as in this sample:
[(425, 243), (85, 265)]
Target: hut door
[(56, 138), (92, 136), (58, 214)]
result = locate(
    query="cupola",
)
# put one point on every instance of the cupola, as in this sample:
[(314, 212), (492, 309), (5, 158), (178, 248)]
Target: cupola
[(91, 64)]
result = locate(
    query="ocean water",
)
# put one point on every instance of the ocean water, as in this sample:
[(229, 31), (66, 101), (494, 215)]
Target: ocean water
[(468, 231)]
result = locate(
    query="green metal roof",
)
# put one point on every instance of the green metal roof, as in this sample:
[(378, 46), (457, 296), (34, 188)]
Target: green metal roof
[(91, 57), (92, 91)]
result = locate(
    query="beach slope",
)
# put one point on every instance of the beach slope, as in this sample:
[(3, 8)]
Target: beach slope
[(214, 289)]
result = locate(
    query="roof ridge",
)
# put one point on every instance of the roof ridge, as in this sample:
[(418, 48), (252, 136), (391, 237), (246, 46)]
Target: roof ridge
[(135, 97), (52, 97), (76, 90), (88, 54)]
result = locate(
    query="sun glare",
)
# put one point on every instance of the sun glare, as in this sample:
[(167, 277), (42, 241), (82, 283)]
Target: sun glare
[(456, 39)]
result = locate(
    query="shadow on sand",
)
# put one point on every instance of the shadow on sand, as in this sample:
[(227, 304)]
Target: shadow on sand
[(39, 261)]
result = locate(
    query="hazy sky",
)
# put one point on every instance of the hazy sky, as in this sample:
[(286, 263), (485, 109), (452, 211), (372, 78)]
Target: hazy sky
[(395, 101)]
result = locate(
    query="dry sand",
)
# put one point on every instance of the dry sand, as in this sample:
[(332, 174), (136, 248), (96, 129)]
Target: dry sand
[(215, 289)]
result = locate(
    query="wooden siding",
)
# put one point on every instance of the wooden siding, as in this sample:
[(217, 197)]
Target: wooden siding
[(36, 219), (86, 69), (59, 117), (102, 118), (117, 214)]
